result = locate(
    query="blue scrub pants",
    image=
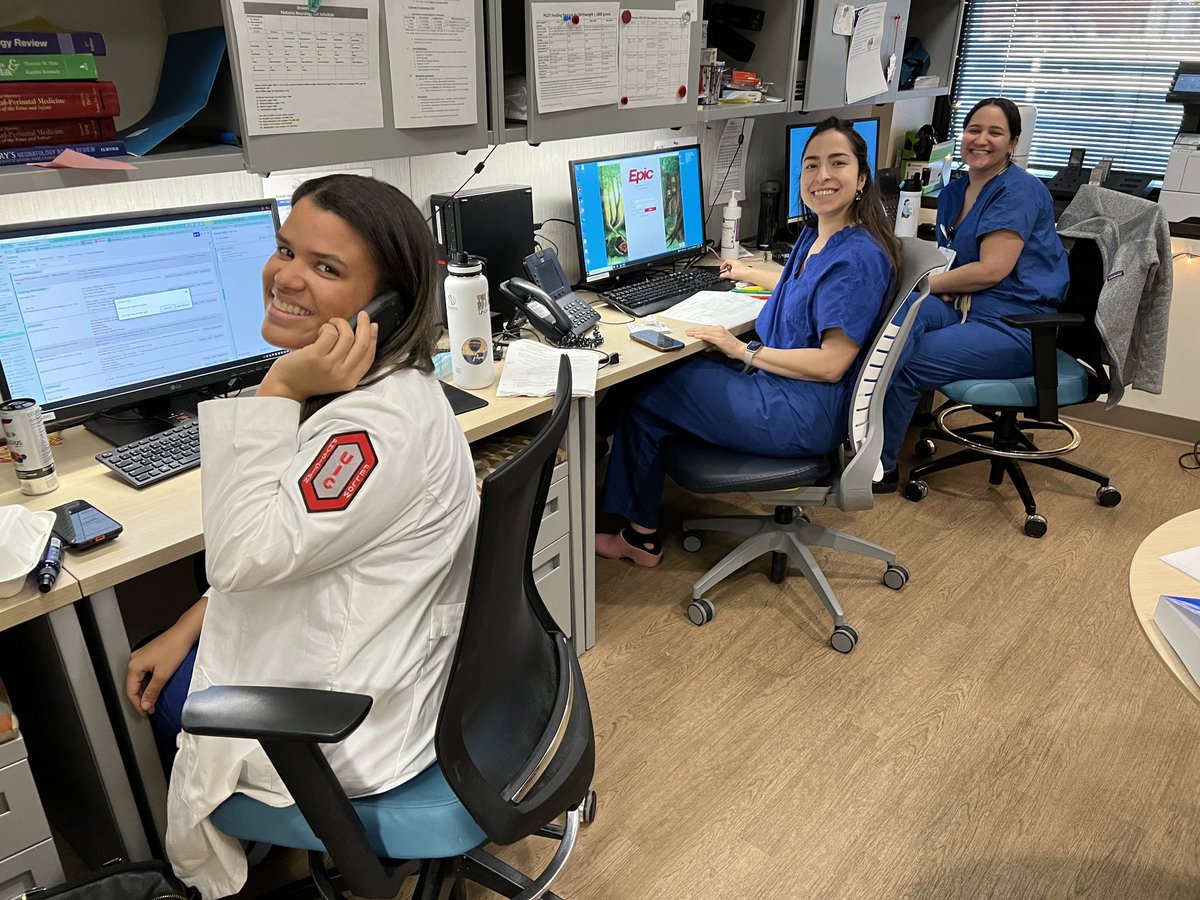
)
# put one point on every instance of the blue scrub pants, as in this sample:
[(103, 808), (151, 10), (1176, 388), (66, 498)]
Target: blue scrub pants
[(711, 399), (942, 349), (167, 719)]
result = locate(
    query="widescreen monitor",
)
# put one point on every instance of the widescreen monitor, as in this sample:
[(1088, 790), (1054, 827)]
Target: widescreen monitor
[(105, 313), (637, 210), (797, 137)]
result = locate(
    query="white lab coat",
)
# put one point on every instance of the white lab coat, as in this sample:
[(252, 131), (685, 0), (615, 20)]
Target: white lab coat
[(367, 598)]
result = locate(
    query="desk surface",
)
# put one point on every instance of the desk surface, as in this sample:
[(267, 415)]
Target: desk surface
[(31, 603), (1149, 577)]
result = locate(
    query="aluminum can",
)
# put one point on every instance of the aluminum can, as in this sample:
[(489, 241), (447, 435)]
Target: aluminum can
[(29, 445)]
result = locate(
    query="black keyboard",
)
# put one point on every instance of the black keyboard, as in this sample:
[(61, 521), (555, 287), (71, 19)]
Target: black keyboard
[(159, 456), (663, 292)]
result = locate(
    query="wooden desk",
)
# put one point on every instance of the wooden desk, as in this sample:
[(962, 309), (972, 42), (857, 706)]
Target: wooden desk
[(1149, 577)]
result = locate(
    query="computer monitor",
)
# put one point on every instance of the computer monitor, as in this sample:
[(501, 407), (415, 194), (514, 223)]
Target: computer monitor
[(637, 210), (797, 137), (102, 314)]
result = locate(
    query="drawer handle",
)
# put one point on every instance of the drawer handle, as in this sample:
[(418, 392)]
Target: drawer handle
[(4, 804), (550, 508), (547, 567)]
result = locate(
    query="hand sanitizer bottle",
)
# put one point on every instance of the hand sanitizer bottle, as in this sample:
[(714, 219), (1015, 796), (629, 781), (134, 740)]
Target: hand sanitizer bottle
[(731, 227)]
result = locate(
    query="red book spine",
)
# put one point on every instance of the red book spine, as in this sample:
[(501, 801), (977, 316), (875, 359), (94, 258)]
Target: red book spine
[(62, 131), (30, 101)]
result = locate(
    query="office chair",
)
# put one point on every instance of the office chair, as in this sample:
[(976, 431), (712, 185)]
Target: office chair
[(842, 479), (514, 739), (1068, 368)]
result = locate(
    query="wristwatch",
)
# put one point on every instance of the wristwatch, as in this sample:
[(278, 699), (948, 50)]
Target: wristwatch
[(748, 356)]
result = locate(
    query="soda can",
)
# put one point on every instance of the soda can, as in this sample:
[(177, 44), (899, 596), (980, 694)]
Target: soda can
[(29, 445)]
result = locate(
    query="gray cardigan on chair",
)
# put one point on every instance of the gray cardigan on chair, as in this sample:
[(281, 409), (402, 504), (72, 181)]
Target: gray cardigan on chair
[(1135, 243)]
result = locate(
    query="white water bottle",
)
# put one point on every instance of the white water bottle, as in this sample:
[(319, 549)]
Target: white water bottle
[(731, 227), (469, 321), (908, 209)]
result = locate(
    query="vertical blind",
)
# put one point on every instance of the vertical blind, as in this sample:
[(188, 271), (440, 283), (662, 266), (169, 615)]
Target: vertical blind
[(1097, 70)]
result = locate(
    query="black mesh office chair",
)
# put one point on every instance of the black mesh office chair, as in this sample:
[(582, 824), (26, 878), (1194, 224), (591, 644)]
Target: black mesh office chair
[(514, 736), (1068, 368), (842, 480)]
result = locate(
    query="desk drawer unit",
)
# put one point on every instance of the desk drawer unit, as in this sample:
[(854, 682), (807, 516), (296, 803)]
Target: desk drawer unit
[(28, 858), (556, 519), (552, 575), (37, 867)]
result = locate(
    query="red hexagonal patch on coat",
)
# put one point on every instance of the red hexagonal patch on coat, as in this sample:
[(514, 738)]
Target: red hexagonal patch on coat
[(338, 472)]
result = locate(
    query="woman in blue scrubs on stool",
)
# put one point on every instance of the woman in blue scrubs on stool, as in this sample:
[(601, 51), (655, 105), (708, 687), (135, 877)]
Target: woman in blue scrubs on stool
[(1008, 260), (786, 394)]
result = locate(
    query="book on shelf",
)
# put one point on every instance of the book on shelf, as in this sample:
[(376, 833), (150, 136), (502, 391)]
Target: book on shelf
[(48, 67), (56, 131), (15, 156), (1178, 618), (52, 42), (24, 102)]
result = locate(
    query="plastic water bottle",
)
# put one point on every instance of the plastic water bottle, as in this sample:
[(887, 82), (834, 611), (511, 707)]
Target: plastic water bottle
[(908, 209), (469, 321)]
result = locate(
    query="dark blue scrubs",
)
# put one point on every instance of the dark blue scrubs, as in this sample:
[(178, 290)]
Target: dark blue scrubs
[(846, 286), (941, 348)]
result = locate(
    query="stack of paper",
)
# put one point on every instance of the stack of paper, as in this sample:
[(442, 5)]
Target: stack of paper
[(1186, 561), (717, 308), (531, 370), (1178, 618)]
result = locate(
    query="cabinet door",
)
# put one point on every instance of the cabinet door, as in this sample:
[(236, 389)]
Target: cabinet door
[(610, 118), (266, 153), (825, 82)]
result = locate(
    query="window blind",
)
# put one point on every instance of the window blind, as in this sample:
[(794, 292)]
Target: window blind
[(1097, 70)]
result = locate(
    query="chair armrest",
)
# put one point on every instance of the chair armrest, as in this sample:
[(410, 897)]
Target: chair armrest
[(1044, 320), (274, 713)]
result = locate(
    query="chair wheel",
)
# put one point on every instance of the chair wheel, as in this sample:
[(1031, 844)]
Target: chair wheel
[(701, 611), (692, 541), (896, 576), (916, 491), (925, 449), (587, 809), (844, 638), (1035, 525), (1107, 496)]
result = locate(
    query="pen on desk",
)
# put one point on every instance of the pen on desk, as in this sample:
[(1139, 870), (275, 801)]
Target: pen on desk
[(50, 565)]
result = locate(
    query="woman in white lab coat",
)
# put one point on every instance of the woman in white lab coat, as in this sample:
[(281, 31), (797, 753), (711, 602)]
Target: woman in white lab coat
[(339, 520)]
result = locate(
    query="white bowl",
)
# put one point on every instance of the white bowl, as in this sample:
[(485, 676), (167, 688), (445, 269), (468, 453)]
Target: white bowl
[(23, 536)]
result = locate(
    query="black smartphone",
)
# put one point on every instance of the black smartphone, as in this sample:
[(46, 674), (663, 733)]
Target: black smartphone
[(385, 311), (80, 525), (657, 340)]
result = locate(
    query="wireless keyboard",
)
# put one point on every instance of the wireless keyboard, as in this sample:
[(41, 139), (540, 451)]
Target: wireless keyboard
[(157, 457), (656, 294)]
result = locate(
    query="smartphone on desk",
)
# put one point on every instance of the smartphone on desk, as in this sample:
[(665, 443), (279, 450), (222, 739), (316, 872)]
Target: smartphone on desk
[(80, 525), (657, 340)]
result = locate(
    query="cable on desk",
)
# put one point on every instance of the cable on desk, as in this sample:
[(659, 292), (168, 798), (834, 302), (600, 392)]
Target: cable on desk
[(542, 237)]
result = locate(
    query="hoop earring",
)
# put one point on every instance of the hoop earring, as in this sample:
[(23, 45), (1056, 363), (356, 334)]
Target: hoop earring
[(858, 195)]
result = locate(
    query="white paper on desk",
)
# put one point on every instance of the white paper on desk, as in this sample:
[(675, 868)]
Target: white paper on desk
[(531, 370), (716, 308), (729, 170), (309, 71), (574, 55), (864, 68), (431, 52), (1186, 561), (652, 58)]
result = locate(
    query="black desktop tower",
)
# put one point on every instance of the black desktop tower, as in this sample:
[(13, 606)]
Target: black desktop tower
[(495, 223)]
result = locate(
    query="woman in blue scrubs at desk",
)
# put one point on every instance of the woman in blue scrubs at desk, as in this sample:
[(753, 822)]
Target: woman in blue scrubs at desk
[(787, 393), (1008, 260)]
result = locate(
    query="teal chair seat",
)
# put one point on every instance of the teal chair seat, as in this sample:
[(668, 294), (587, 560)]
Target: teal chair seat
[(420, 819), (1020, 393)]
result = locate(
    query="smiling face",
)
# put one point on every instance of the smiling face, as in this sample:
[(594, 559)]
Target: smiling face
[(830, 176), (987, 141), (321, 269)]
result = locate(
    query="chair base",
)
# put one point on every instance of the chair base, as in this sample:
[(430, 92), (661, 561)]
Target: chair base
[(786, 538)]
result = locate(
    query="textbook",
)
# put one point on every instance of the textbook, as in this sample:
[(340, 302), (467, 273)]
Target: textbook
[(48, 67), (24, 102), (1178, 618), (15, 156), (56, 131), (52, 42)]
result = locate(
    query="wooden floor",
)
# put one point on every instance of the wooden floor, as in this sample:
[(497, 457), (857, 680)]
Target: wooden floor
[(1003, 729)]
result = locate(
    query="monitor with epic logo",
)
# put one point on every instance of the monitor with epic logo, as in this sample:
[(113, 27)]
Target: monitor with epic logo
[(637, 210)]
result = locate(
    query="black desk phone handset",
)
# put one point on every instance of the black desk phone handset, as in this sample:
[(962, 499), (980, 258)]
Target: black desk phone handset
[(385, 310), (548, 301)]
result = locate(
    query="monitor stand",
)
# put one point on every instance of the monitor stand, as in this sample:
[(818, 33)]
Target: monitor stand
[(142, 420)]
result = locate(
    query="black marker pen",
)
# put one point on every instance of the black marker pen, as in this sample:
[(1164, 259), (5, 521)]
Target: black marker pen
[(47, 570)]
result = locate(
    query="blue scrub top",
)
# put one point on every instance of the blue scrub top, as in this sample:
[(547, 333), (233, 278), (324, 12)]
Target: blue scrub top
[(1013, 201), (846, 285)]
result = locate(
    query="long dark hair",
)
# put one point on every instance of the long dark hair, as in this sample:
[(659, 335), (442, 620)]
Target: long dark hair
[(1011, 114), (867, 207), (402, 249)]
